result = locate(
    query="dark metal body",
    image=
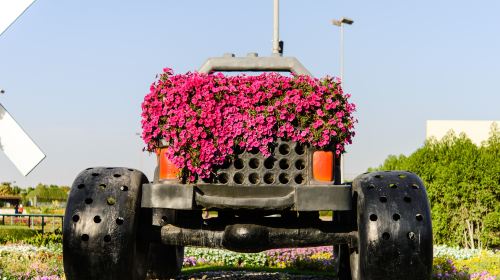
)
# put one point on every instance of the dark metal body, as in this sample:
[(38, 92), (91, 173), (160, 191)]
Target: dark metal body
[(381, 226), (296, 198)]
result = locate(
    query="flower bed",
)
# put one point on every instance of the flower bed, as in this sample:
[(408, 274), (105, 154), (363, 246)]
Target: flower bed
[(204, 119), (34, 262)]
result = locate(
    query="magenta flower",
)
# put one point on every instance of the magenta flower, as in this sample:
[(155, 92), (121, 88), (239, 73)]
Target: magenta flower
[(204, 118)]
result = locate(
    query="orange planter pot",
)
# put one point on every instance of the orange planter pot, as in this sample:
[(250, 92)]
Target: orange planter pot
[(323, 166), (167, 170)]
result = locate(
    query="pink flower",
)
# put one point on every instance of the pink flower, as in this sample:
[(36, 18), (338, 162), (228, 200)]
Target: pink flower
[(204, 118)]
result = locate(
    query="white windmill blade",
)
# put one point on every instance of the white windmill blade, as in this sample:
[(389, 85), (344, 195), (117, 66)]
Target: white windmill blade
[(17, 145), (10, 10), (14, 142)]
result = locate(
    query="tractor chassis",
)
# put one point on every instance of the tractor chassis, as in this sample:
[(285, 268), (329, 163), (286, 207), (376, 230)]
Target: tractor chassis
[(297, 198), (246, 222)]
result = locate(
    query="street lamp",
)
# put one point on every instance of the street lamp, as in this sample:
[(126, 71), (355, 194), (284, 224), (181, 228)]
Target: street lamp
[(340, 23)]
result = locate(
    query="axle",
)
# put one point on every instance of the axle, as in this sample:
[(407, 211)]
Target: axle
[(251, 238)]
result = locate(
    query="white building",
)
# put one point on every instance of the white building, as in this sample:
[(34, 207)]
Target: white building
[(477, 131)]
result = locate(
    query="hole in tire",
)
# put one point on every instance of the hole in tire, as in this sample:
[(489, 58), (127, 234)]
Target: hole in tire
[(238, 178), (419, 217), (412, 235), (117, 175), (81, 186), (119, 221), (371, 186), (284, 164), (111, 200), (107, 238), (386, 236), (373, 217), (269, 178), (284, 178), (124, 188), (393, 186), (85, 237), (223, 178), (254, 178), (396, 217), (299, 179), (299, 149), (378, 176), (383, 199), (97, 219), (75, 218), (415, 186), (88, 200), (95, 174), (102, 186), (269, 162), (407, 199), (254, 151), (402, 176), (300, 164), (254, 163), (238, 163), (284, 149)]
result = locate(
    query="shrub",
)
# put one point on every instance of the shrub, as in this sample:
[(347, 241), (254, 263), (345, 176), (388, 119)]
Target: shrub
[(47, 239), (463, 185), (15, 233)]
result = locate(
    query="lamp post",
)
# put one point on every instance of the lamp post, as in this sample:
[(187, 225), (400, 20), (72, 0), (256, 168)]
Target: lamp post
[(340, 23)]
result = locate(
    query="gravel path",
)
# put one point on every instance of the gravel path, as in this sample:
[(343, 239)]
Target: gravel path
[(250, 275)]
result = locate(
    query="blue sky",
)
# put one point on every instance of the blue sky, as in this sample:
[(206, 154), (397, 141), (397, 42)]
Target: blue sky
[(75, 72)]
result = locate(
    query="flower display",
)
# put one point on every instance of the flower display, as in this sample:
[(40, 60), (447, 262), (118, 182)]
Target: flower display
[(21, 261), (312, 258), (205, 118)]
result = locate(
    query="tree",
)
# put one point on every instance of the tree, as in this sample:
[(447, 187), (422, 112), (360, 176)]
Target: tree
[(463, 185)]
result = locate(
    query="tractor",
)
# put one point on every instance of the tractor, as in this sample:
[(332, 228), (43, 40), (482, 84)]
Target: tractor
[(119, 225)]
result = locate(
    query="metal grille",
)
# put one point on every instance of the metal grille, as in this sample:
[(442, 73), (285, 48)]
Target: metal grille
[(288, 165)]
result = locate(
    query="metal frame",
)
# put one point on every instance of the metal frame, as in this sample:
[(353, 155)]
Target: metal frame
[(298, 198), (230, 63)]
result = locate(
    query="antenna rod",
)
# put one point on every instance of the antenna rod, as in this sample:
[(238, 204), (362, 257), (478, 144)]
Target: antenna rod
[(276, 34)]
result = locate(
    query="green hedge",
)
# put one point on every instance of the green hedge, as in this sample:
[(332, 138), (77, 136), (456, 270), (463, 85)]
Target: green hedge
[(463, 184), (15, 233)]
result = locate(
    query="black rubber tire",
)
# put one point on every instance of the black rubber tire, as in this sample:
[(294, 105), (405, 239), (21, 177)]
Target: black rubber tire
[(105, 233), (394, 227), (164, 261)]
